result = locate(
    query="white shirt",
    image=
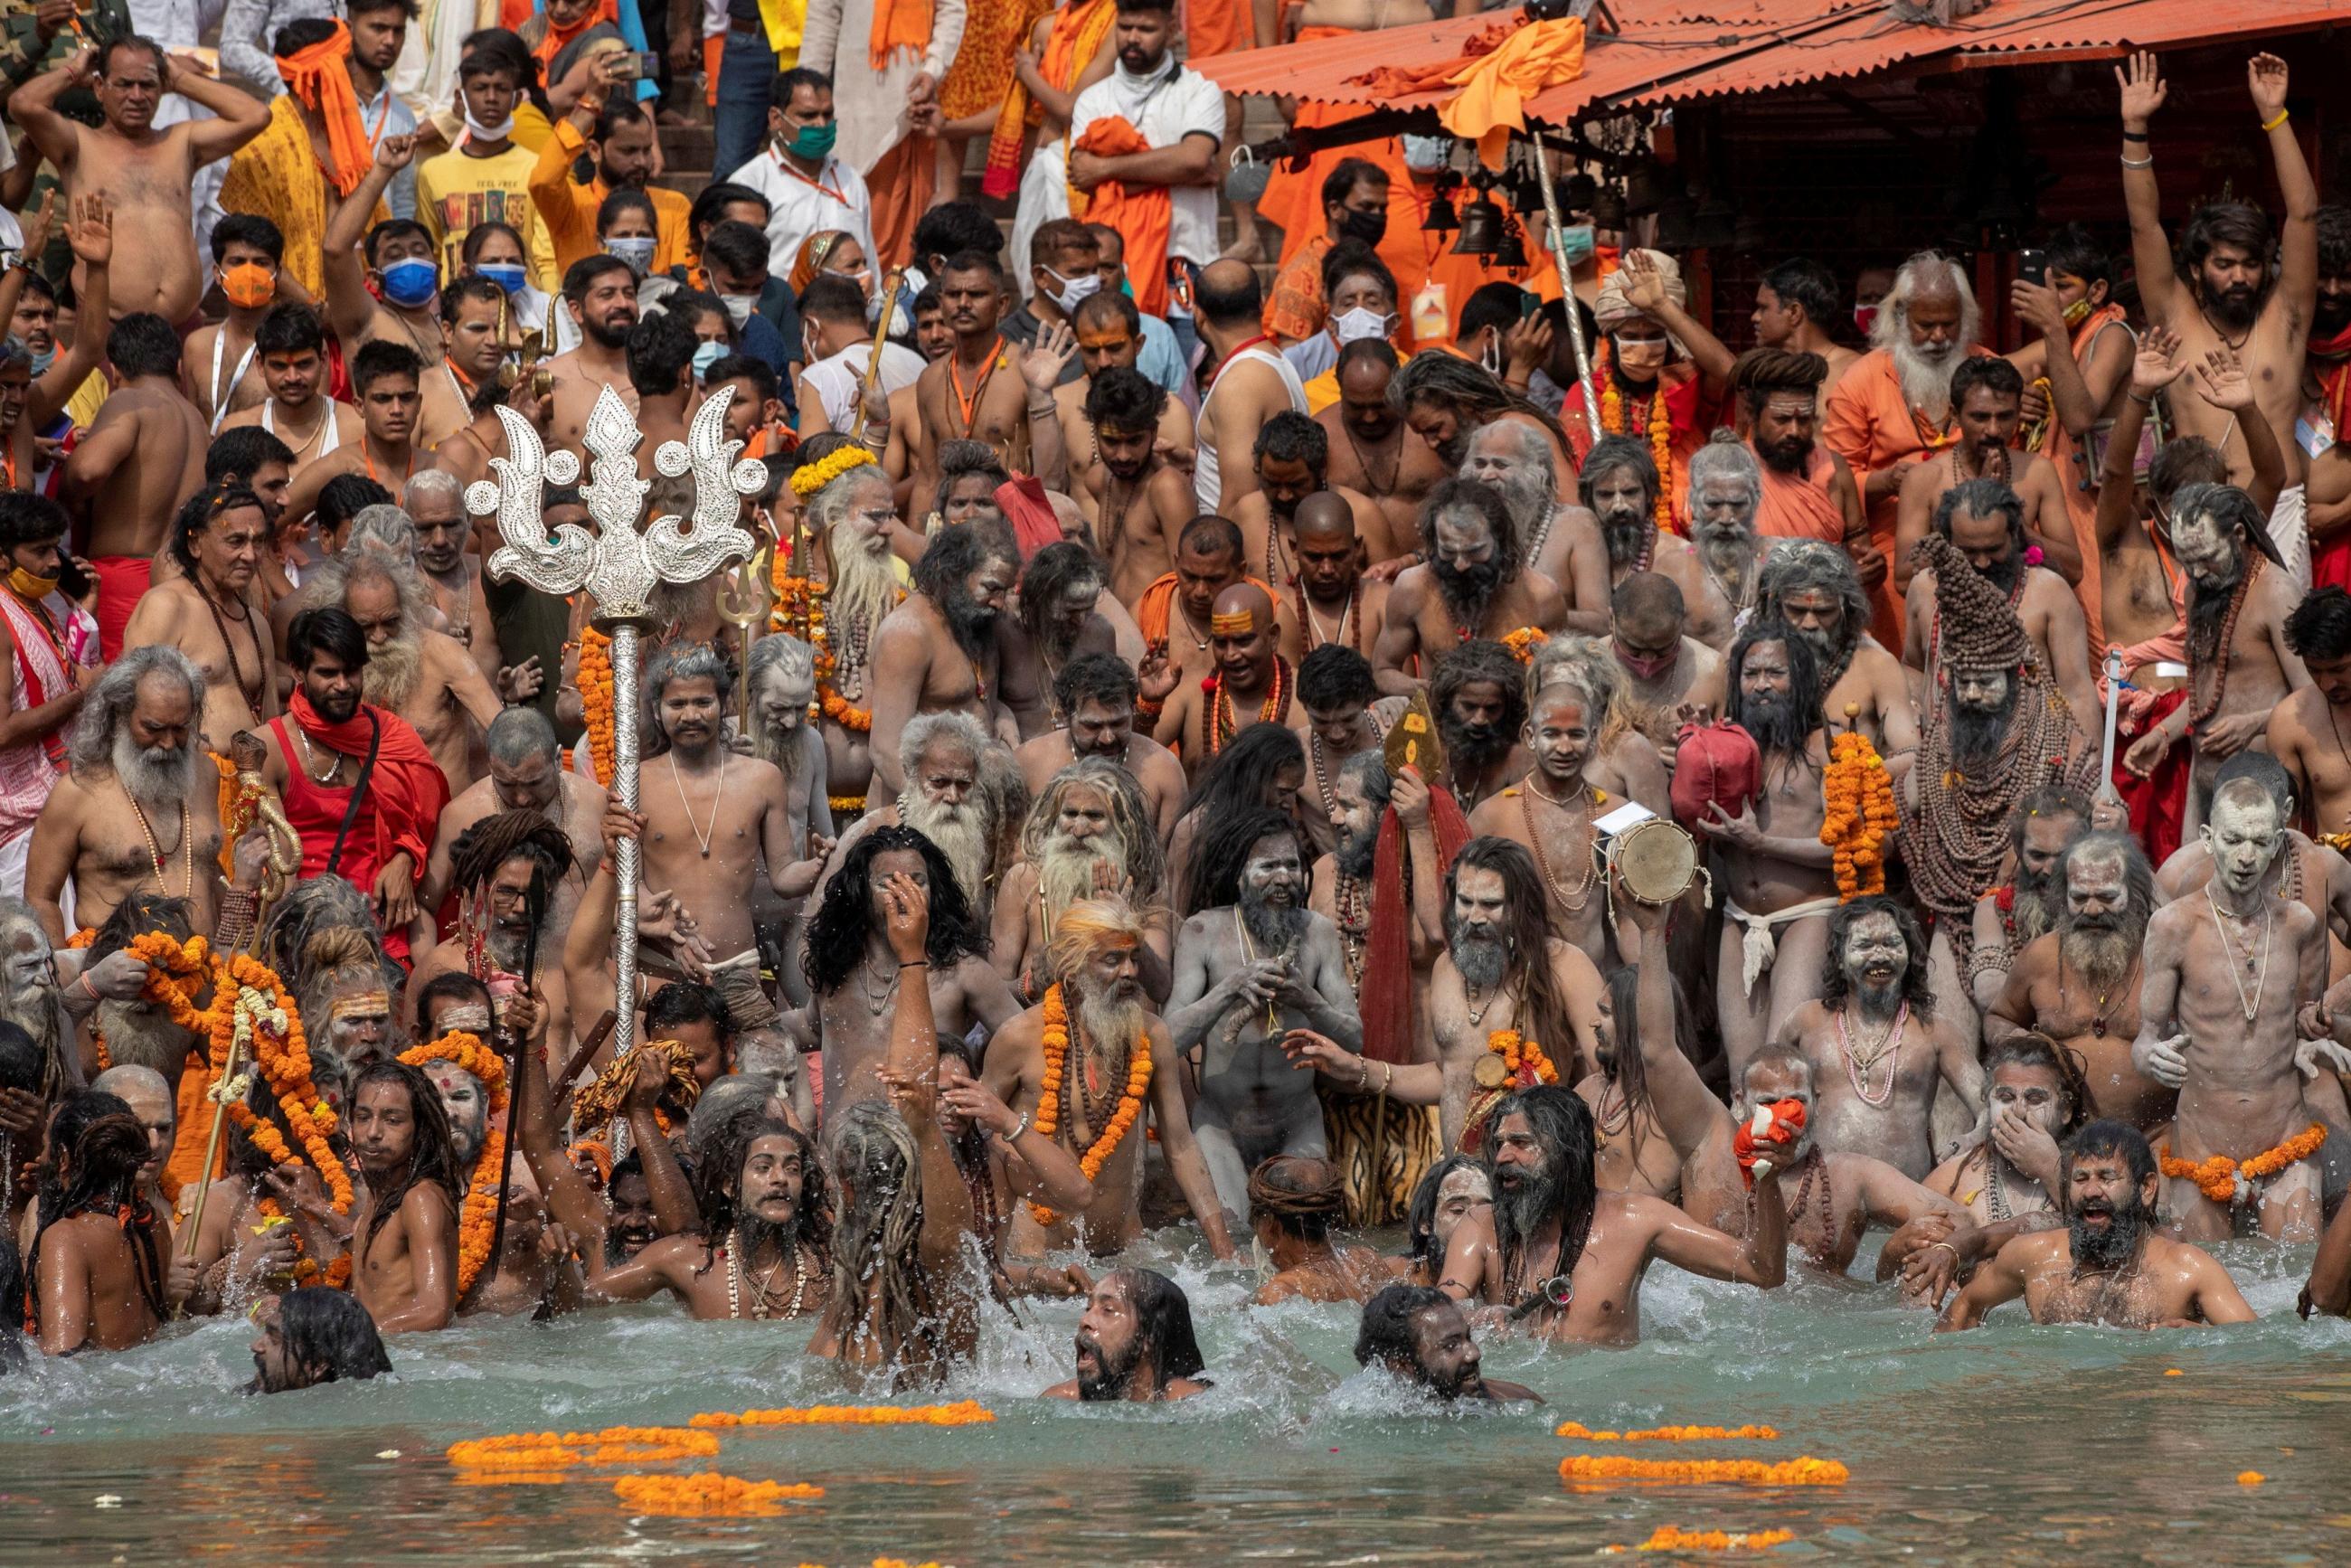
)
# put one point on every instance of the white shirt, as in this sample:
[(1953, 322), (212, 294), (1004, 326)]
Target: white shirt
[(799, 206), (1164, 109), (835, 380), (1207, 482)]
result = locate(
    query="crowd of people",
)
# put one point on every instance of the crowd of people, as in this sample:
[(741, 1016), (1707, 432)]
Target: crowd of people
[(1257, 869)]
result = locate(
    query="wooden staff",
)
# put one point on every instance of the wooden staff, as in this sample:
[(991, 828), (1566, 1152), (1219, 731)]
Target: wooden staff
[(586, 1053), (890, 282), (212, 1152), (535, 900)]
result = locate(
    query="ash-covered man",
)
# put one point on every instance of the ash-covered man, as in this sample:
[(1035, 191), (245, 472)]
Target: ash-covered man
[(2108, 1266), (1619, 485), (2217, 1021), (1725, 487), (955, 797), (1561, 543), (526, 774), (1875, 1046), (1096, 693), (1815, 589), (1089, 835), (1984, 521), (777, 731), (2240, 668), (2034, 1099), (1252, 964), (2013, 915), (1059, 617), (1135, 1342), (1474, 584)]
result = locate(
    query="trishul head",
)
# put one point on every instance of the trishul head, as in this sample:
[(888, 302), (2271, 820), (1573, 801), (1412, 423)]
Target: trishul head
[(616, 564)]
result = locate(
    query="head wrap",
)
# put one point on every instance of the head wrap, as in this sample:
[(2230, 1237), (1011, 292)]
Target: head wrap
[(810, 260), (1307, 1186), (1980, 628), (319, 79), (1612, 310)]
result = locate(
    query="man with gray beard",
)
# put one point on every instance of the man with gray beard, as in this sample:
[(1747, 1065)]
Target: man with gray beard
[(425, 675), (2079, 983), (1725, 488), (2010, 917), (128, 815), (940, 757), (31, 999), (1562, 544), (781, 727), (1089, 835), (1619, 484), (1254, 964), (1473, 582), (844, 548), (1812, 587)]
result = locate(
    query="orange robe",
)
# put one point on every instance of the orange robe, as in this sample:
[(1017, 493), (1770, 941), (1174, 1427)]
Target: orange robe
[(1799, 506), (1218, 28), (1141, 216), (1869, 424), (2058, 445)]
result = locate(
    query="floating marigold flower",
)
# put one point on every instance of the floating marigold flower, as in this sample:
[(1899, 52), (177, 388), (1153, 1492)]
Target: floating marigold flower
[(1668, 1538), (2251, 1478), (1673, 1434), (963, 1412), (709, 1492), (1806, 1471)]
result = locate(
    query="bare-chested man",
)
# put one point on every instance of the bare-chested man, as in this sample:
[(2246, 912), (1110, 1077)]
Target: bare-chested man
[(492, 867), (1097, 693), (385, 379), (1136, 500), (987, 389), (1065, 612), (1251, 683), (402, 1241), (1110, 338), (1875, 1046), (1291, 461), (1666, 677), (2229, 295), (212, 611), (1776, 876), (1984, 520), (1561, 543), (1619, 487), (2079, 984), (2303, 730), (150, 173), (845, 548), (1252, 964), (2034, 1099), (435, 503), (140, 459), (1099, 1016), (1986, 400), (424, 675), (94, 1279), (2012, 916), (1726, 486), (2233, 1051), (1088, 835), (1372, 451), (600, 294), (1338, 712), (1479, 695), (1815, 589), (2240, 668), (525, 773), (2109, 1266), (939, 652), (1336, 600), (1474, 584), (132, 813)]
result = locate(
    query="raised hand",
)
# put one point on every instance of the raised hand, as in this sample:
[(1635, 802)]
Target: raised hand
[(37, 227), (1527, 345), (2221, 382), (1157, 674), (520, 683), (1043, 362), (2157, 363), (906, 914), (2265, 78), (1645, 286), (90, 230), (2143, 88), (394, 152)]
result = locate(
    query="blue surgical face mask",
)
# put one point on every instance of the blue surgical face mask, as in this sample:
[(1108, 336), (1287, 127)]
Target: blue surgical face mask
[(43, 360), (637, 250), (707, 356), (510, 276), (1573, 242), (411, 282)]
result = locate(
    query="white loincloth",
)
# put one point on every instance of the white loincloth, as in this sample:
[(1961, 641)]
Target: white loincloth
[(1757, 944), (2290, 531)]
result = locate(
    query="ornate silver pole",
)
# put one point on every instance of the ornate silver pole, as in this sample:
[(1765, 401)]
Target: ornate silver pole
[(618, 566)]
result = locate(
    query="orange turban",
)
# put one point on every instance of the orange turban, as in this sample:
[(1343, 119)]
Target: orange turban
[(321, 80)]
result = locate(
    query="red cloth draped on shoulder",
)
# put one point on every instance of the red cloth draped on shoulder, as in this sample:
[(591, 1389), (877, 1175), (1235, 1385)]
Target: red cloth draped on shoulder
[(2330, 559), (1143, 215), (2158, 804), (1386, 998), (406, 792)]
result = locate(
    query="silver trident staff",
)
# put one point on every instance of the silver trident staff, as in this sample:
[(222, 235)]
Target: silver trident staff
[(2114, 696), (619, 568)]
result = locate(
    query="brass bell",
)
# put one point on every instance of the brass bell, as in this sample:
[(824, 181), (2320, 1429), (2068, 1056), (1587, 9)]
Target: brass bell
[(1608, 209), (1482, 222), (1525, 190), (1513, 256), (1646, 185), (1441, 219)]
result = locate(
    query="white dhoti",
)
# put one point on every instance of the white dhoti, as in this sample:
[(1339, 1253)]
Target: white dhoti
[(12, 856), (2290, 531), (1044, 196), (1759, 942)]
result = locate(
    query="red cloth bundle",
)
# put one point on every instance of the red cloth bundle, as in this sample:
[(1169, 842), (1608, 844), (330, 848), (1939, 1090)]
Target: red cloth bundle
[(1715, 763)]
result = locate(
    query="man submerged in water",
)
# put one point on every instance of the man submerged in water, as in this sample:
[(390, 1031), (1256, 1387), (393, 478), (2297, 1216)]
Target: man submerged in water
[(2108, 1266), (313, 1335), (1422, 1335), (1135, 1342)]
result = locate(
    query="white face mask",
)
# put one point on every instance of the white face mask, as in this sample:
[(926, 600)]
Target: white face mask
[(1069, 293), (1349, 325), (480, 132), (738, 307), (1426, 154)]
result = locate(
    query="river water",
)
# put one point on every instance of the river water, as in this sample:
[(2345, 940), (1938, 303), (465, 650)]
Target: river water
[(2011, 1444)]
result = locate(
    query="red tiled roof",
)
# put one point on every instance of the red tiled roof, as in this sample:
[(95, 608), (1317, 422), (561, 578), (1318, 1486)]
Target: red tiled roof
[(1671, 51)]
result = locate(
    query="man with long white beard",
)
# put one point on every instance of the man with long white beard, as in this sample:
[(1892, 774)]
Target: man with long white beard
[(843, 552), (1089, 835), (1892, 410), (491, 869), (2109, 1266), (1473, 582), (1092, 1021), (1725, 488), (2079, 983), (1815, 589), (425, 675), (2013, 915), (941, 757), (129, 816), (1998, 732), (1561, 542), (1876, 1044), (1252, 964), (1619, 485)]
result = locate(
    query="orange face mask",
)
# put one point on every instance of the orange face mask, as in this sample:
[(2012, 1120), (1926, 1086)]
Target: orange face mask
[(248, 284)]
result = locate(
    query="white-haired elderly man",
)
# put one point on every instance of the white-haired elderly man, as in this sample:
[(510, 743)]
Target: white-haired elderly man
[(1563, 542), (1726, 486), (435, 503), (962, 792)]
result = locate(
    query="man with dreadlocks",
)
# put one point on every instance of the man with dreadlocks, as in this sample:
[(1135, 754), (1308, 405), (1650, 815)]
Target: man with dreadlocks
[(1998, 731), (2012, 916), (31, 999), (1088, 835), (1249, 682), (1071, 1064), (1984, 522), (1064, 611), (1619, 486), (2240, 666), (212, 609), (526, 774), (1473, 584), (1808, 492), (1477, 695), (1252, 964), (2079, 982), (492, 867), (939, 652), (1293, 1204), (1777, 878), (1567, 1258), (843, 552), (322, 941), (1813, 588), (1875, 1041), (1135, 1342), (94, 1273), (402, 1237)]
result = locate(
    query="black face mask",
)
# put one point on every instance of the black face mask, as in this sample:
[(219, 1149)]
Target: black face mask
[(1370, 227)]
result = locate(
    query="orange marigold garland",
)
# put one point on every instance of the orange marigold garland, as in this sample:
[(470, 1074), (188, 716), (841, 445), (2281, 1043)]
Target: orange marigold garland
[(963, 1412), (800, 611), (595, 1105), (1524, 1065), (478, 1220), (1672, 1434), (2227, 1181), (1659, 428), (554, 1451), (1807, 1471), (1050, 1099), (1857, 813), (1523, 643), (1670, 1538), (596, 700), (709, 1492)]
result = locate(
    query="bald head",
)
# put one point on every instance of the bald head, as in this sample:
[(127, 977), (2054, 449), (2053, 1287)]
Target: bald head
[(150, 1099), (1228, 295), (1242, 634), (1325, 514)]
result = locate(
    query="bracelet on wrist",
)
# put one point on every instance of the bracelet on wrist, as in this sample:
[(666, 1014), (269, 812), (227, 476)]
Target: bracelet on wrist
[(2130, 162), (2273, 124), (915, 964), (2147, 401), (2138, 136)]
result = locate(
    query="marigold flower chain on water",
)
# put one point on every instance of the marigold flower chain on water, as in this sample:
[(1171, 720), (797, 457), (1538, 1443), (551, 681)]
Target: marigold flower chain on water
[(963, 1412), (1806, 1471), (478, 1220), (709, 1492), (1750, 1433), (554, 1451), (1670, 1538)]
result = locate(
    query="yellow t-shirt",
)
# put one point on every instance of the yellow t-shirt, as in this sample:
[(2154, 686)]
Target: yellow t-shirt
[(455, 192), (88, 399)]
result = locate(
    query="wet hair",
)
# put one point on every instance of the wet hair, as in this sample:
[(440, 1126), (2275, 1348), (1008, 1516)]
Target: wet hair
[(660, 350), (1292, 438), (1335, 676), (329, 629), (718, 1177), (879, 1291), (239, 454), (2031, 1049), (108, 1146), (1163, 1324), (1386, 1335), (674, 662), (1300, 1197), (1049, 576), (1420, 1221), (953, 554), (1100, 677), (1916, 983), (1611, 453), (1544, 1014), (326, 1328), (142, 344), (1239, 780), (479, 850), (1807, 284), (432, 1153), (836, 936), (1563, 1125), (1804, 672), (2103, 1138), (2317, 627)]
